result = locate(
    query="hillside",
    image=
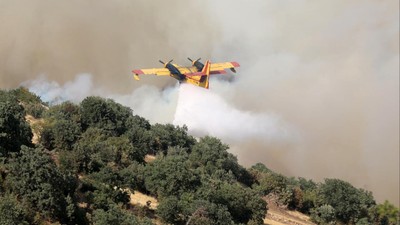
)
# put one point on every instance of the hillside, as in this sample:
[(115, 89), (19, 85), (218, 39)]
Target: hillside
[(97, 163)]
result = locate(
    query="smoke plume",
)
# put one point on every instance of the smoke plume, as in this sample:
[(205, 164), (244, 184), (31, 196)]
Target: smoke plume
[(317, 93)]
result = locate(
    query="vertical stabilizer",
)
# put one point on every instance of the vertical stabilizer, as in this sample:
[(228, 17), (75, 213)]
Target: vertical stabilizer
[(206, 71)]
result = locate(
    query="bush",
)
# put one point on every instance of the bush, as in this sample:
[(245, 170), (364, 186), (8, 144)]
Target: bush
[(35, 177), (324, 214), (14, 130), (105, 114), (350, 203), (12, 212), (170, 175)]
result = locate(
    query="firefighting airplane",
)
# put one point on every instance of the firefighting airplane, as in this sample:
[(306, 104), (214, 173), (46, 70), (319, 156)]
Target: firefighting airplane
[(198, 74)]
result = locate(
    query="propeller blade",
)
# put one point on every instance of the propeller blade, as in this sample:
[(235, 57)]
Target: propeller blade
[(170, 61), (198, 59), (190, 59), (161, 62)]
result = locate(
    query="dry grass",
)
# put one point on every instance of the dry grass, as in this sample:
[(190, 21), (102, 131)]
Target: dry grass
[(36, 126), (138, 198), (149, 158), (277, 215)]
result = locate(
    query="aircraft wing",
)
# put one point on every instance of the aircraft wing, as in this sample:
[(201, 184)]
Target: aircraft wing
[(224, 65), (154, 71)]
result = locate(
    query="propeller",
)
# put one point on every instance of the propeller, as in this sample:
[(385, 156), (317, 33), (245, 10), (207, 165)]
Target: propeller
[(165, 64), (193, 62)]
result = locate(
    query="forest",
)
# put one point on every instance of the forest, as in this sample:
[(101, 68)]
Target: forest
[(78, 163)]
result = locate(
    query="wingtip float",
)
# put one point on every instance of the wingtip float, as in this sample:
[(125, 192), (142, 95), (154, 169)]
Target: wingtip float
[(198, 74)]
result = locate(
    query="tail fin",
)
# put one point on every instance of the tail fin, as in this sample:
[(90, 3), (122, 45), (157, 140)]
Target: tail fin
[(206, 70)]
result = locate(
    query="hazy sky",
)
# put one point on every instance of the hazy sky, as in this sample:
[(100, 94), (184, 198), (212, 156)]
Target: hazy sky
[(317, 93)]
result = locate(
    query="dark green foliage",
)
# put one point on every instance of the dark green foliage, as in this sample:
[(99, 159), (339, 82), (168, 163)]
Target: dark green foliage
[(116, 215), (186, 210), (96, 149), (107, 176), (105, 196), (163, 137), (64, 111), (62, 127), (35, 110), (14, 130), (324, 214), (260, 168), (386, 213), (12, 212), (211, 157), (65, 133), (170, 175), (25, 96), (133, 176), (138, 133), (309, 200), (196, 182), (105, 114), (34, 177), (168, 210), (89, 152), (205, 212), (350, 203), (32, 103), (272, 182), (243, 203)]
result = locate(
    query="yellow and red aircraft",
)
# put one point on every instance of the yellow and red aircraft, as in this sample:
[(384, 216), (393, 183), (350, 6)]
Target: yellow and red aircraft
[(198, 74)]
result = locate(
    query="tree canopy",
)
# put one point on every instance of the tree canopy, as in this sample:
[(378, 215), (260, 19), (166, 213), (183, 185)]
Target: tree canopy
[(91, 156)]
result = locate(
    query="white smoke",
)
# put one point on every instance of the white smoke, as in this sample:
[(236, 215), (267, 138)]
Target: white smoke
[(154, 104), (207, 113), (54, 93)]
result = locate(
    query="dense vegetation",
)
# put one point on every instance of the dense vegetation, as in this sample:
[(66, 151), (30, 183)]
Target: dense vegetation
[(91, 155)]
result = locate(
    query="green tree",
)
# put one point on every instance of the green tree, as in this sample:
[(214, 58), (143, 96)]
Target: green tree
[(14, 130), (34, 176), (272, 182), (116, 215), (163, 137), (105, 196), (31, 102), (350, 203), (12, 212), (65, 133), (324, 214), (387, 213), (188, 210), (210, 156), (25, 96), (96, 149), (133, 176), (64, 111), (139, 135), (169, 210), (244, 204), (105, 114), (62, 127), (170, 175)]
